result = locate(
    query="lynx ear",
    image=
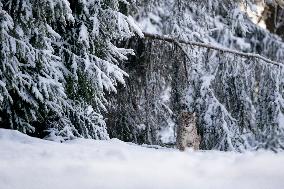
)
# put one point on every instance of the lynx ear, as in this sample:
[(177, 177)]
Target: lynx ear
[(194, 116)]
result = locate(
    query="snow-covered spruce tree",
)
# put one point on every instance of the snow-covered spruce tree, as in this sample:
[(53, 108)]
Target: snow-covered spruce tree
[(31, 75), (57, 61)]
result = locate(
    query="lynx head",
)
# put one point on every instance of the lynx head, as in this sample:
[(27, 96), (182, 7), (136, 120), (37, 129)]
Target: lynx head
[(188, 118)]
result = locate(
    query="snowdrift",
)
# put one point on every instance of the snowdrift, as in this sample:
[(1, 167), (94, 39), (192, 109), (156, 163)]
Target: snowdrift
[(31, 163)]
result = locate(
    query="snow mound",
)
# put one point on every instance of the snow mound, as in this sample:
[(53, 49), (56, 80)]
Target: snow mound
[(15, 136), (30, 163)]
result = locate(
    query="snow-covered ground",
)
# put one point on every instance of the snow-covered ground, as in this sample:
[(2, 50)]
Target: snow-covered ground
[(30, 163)]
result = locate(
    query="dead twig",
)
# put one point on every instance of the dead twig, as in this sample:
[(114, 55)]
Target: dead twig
[(208, 46)]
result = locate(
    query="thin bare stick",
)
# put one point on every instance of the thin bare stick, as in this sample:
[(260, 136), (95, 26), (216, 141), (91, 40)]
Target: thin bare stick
[(208, 46)]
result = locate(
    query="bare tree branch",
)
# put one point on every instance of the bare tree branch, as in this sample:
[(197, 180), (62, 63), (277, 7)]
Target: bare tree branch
[(208, 46)]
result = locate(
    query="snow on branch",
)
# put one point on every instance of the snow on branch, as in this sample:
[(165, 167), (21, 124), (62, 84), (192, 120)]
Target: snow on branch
[(208, 46)]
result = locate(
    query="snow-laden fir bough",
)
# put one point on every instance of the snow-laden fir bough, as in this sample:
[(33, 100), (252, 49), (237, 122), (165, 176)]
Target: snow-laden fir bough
[(57, 61)]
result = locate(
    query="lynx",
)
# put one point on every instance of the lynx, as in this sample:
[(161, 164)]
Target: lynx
[(187, 132)]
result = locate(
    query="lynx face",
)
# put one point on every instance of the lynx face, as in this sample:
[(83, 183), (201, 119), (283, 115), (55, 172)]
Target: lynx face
[(188, 119)]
